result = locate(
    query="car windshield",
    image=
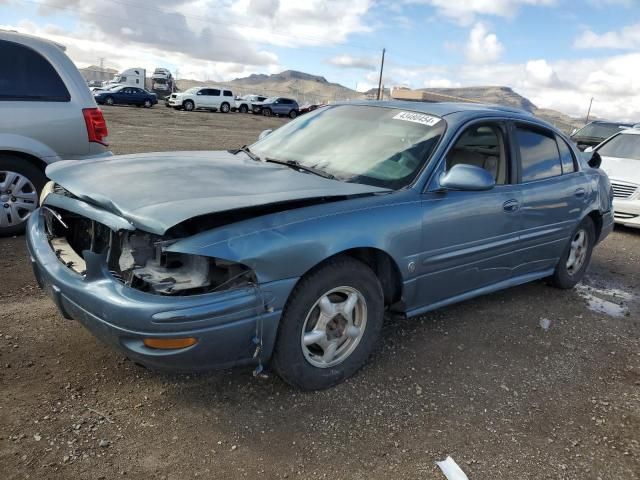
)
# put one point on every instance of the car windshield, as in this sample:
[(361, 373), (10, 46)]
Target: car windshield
[(622, 146), (599, 130), (192, 90), (377, 146), (270, 99)]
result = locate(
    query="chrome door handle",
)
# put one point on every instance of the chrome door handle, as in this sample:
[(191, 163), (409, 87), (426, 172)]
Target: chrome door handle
[(511, 206)]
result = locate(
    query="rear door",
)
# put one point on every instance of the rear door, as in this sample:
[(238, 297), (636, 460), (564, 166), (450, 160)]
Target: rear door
[(469, 237), (554, 195), (215, 97)]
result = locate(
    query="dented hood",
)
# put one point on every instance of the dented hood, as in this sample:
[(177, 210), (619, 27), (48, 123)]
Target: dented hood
[(156, 191)]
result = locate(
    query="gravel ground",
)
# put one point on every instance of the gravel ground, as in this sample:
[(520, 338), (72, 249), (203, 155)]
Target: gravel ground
[(528, 383)]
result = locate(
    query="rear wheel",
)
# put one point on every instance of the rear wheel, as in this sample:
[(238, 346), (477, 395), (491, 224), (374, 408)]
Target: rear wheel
[(329, 325), (243, 109), (267, 112), (147, 103), (576, 257), (20, 185), (188, 105), (225, 107)]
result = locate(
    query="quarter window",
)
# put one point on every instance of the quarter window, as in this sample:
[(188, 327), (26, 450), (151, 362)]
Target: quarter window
[(566, 156), (228, 93), (27, 75), (539, 155)]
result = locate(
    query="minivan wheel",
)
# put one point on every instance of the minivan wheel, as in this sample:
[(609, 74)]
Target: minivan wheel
[(20, 185), (330, 325), (293, 114), (576, 256), (243, 109), (224, 108), (109, 101), (267, 112), (188, 105)]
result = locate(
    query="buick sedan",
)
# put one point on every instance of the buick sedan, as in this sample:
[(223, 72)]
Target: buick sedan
[(289, 252)]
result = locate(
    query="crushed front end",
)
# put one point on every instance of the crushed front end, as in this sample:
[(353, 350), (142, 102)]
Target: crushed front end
[(165, 309)]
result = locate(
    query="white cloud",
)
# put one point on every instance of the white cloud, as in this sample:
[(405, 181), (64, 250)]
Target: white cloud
[(628, 38), (358, 63), (483, 46), (465, 12)]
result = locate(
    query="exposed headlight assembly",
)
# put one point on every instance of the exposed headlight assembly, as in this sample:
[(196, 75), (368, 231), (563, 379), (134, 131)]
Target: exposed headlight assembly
[(146, 265)]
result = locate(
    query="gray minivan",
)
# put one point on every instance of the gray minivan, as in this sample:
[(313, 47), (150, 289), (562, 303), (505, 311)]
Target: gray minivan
[(47, 113)]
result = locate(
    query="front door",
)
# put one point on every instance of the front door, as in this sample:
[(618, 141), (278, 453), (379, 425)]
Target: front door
[(469, 237)]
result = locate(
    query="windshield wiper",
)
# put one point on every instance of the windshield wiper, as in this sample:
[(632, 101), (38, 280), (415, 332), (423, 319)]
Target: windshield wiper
[(246, 150), (298, 166)]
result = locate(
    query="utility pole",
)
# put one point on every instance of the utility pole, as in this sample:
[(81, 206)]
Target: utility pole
[(380, 79), (589, 111)]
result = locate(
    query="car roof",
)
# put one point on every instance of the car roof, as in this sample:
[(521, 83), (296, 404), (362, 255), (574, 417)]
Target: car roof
[(29, 40), (443, 108), (608, 122), (629, 131)]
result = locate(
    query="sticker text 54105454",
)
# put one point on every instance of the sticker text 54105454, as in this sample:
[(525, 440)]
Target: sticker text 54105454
[(417, 118)]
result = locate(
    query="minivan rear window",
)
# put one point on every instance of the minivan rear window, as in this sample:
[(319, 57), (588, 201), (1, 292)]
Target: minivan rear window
[(28, 76)]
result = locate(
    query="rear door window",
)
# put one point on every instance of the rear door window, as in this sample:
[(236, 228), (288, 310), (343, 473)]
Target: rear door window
[(566, 156), (539, 155), (214, 91), (26, 75)]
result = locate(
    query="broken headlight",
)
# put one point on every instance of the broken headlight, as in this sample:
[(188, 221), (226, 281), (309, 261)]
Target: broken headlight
[(145, 264)]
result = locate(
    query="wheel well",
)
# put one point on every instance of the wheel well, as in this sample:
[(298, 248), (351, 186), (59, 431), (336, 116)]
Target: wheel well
[(596, 216), (35, 161), (383, 265)]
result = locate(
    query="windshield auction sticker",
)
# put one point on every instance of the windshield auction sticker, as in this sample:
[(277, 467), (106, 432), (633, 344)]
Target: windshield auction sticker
[(417, 118)]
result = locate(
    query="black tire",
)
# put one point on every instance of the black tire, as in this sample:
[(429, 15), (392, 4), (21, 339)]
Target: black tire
[(289, 361), (267, 112), (109, 101), (188, 105), (563, 277), (243, 109), (293, 114), (25, 168), (225, 107), (148, 103)]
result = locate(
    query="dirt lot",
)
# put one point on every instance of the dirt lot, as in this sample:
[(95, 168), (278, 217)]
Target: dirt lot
[(481, 381)]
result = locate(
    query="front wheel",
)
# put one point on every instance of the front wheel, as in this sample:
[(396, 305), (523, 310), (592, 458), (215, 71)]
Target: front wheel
[(243, 109), (267, 112), (109, 101), (576, 257), (329, 325), (20, 185), (148, 104), (189, 106), (293, 114)]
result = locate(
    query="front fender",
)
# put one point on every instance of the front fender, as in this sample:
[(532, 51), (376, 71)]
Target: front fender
[(288, 244)]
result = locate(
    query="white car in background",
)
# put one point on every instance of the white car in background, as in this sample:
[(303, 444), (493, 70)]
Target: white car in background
[(245, 103), (205, 98), (621, 161)]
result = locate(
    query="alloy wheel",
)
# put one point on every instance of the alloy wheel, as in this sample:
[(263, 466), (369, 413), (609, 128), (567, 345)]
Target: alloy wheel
[(578, 252), (18, 198), (334, 327)]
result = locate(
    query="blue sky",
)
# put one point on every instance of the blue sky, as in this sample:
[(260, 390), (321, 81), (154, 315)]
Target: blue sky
[(559, 53)]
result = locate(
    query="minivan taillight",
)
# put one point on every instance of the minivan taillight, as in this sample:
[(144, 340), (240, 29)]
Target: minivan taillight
[(96, 125)]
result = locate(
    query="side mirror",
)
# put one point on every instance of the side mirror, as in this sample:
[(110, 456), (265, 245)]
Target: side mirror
[(264, 133), (467, 177), (588, 150), (595, 161)]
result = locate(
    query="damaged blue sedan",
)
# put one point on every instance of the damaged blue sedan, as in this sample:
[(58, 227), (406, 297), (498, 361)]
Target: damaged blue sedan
[(290, 251)]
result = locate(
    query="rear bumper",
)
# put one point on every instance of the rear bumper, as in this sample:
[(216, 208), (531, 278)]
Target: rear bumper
[(228, 325), (627, 212)]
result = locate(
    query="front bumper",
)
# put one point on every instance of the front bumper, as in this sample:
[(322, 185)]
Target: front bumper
[(627, 212), (228, 325)]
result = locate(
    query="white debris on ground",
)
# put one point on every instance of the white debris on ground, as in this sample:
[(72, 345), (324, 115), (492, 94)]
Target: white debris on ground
[(545, 324), (609, 301), (451, 470)]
